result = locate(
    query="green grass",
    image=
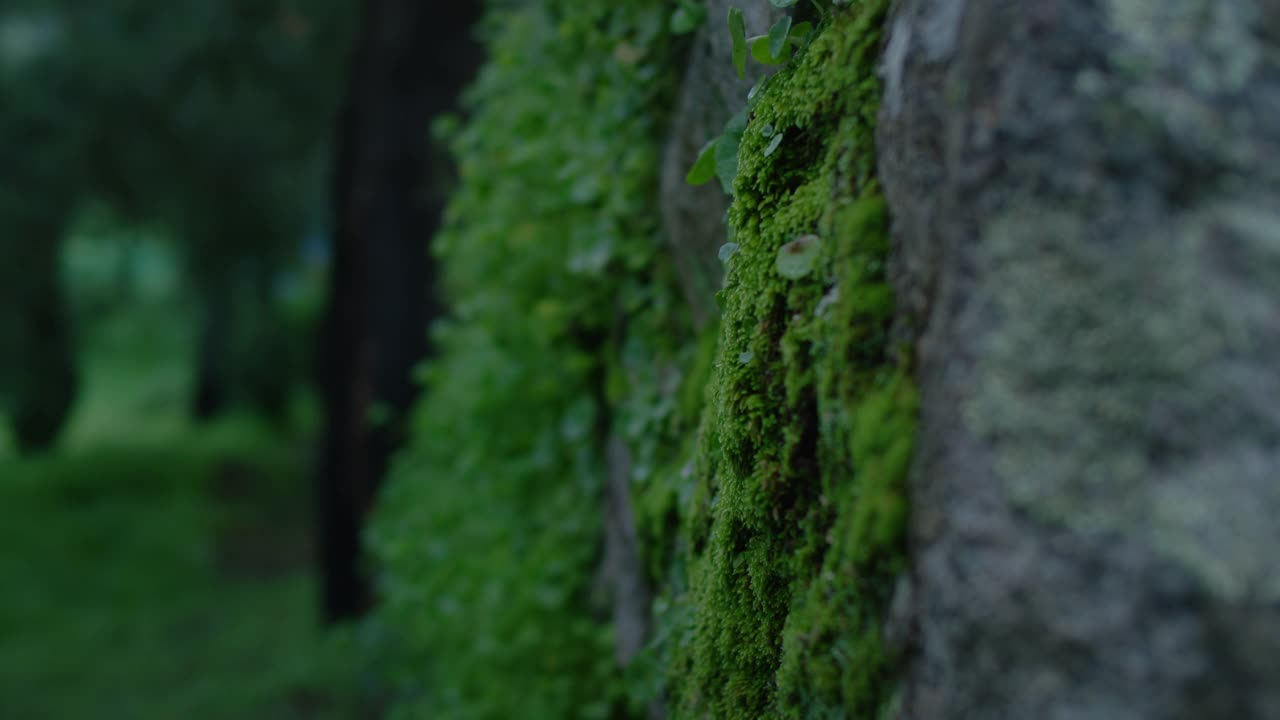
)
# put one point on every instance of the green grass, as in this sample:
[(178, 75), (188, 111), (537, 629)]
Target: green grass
[(150, 568), (136, 377)]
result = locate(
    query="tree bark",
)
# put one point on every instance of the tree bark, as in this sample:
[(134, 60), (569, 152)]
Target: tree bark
[(1086, 234), (45, 380), (693, 218), (212, 372), (411, 61)]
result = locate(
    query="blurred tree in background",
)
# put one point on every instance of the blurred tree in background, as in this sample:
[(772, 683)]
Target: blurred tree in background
[(409, 66), (164, 227), (210, 126), (37, 191)]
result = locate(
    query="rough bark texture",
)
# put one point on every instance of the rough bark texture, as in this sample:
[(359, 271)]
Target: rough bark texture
[(693, 218), (1087, 246), (623, 568), (381, 303)]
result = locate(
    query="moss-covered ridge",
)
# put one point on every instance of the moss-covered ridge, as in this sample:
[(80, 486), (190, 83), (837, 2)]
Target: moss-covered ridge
[(796, 531)]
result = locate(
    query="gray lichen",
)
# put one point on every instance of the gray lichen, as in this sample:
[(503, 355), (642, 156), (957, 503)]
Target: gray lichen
[(1087, 256), (1118, 355)]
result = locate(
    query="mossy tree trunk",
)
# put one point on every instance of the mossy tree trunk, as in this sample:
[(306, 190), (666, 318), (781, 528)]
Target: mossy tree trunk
[(982, 420)]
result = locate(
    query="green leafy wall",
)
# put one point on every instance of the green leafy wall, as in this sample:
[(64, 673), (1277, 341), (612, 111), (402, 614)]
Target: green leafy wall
[(487, 535), (769, 451)]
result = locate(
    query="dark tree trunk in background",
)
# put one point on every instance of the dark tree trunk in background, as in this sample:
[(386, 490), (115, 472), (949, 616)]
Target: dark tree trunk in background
[(411, 61), (45, 380), (38, 371), (213, 353)]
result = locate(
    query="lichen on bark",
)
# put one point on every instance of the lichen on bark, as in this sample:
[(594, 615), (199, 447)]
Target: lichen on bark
[(1085, 225)]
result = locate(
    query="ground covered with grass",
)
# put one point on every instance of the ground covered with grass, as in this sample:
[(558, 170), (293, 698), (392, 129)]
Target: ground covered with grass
[(151, 568)]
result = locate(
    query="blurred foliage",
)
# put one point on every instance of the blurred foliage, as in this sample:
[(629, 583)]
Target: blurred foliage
[(206, 119), (206, 125), (155, 571), (122, 599), (151, 157), (487, 533)]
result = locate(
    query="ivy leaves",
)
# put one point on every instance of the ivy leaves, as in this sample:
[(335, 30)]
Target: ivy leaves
[(778, 36), (719, 157), (738, 33), (777, 46), (772, 48), (704, 168)]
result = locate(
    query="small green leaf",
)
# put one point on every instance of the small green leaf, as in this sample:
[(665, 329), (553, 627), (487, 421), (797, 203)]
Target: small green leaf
[(773, 145), (778, 36), (727, 160), (738, 32), (796, 258), (704, 168), (760, 51), (727, 150), (753, 97), (737, 123), (783, 3), (800, 32)]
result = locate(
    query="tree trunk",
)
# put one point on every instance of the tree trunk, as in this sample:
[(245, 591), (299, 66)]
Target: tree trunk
[(1086, 234), (213, 352), (410, 63), (43, 353)]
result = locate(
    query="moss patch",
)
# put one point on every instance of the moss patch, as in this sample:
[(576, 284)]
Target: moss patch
[(796, 525)]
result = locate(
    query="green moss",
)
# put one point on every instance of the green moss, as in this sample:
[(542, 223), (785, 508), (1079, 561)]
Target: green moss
[(796, 525), (768, 455), (660, 496)]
